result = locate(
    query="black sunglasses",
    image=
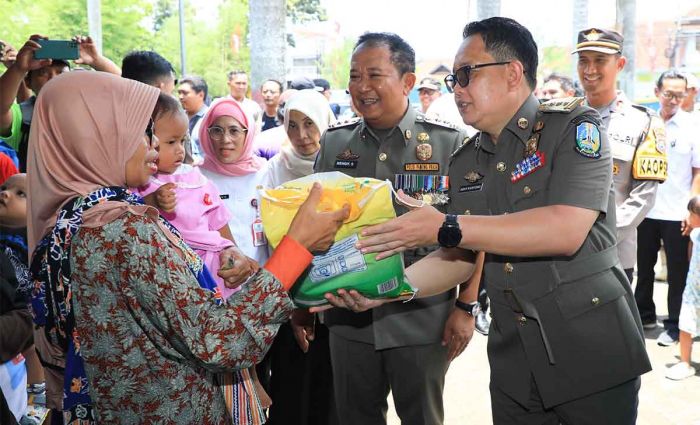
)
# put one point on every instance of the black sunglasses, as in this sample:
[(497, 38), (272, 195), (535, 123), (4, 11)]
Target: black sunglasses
[(461, 76)]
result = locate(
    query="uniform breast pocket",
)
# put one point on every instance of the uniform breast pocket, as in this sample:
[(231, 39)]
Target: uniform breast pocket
[(528, 193), (352, 172), (678, 146), (469, 199), (591, 292)]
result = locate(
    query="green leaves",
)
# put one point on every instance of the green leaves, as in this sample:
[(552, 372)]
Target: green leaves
[(215, 42), (305, 11)]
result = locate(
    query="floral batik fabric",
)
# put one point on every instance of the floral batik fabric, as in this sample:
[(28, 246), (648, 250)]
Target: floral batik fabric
[(14, 243), (143, 337)]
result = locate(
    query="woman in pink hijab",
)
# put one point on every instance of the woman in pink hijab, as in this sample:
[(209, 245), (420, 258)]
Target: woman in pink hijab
[(130, 333), (226, 137)]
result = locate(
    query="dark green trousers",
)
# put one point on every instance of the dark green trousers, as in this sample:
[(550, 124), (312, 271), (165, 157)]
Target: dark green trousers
[(614, 406), (363, 376)]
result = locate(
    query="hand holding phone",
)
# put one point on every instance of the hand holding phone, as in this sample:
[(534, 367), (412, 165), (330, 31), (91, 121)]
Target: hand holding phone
[(24, 59)]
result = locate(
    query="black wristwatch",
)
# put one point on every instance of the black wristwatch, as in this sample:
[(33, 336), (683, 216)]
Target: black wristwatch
[(449, 235), (472, 309)]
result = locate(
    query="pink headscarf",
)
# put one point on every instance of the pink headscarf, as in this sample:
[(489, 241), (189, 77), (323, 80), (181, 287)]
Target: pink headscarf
[(86, 126), (247, 163)]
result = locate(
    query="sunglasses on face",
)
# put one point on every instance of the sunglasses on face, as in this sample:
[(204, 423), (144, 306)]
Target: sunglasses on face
[(461, 76)]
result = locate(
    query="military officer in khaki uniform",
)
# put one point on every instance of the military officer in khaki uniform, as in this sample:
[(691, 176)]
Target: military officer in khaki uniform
[(399, 346), (636, 136), (534, 188)]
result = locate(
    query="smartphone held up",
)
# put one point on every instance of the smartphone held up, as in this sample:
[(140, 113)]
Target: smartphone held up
[(57, 49)]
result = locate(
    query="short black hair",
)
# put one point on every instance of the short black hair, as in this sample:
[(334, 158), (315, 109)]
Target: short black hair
[(279, 84), (402, 54), (236, 72), (505, 39), (197, 83), (323, 83), (565, 82), (147, 67), (54, 63), (671, 74)]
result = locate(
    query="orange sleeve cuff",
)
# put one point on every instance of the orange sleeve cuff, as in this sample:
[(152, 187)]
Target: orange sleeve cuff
[(288, 262)]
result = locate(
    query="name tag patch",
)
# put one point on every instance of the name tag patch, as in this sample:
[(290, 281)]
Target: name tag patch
[(471, 188), (417, 166), (344, 163), (223, 196)]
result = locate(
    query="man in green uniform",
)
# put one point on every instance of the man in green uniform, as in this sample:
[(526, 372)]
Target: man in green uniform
[(534, 190), (402, 347)]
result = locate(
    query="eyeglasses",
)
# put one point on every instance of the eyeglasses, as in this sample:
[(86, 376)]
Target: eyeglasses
[(149, 132), (218, 133), (671, 95), (461, 76)]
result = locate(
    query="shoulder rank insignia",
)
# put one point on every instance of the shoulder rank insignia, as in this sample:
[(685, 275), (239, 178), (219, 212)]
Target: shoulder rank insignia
[(347, 155), (344, 123), (565, 105), (437, 121), (588, 140)]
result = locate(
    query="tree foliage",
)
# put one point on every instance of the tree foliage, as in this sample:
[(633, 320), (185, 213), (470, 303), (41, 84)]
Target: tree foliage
[(163, 9), (556, 59), (123, 22), (215, 44), (213, 48), (335, 65), (305, 11)]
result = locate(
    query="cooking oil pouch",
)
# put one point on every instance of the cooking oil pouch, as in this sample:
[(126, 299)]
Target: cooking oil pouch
[(343, 265)]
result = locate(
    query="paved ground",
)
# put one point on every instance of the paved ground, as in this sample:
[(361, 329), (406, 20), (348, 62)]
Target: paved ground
[(661, 401)]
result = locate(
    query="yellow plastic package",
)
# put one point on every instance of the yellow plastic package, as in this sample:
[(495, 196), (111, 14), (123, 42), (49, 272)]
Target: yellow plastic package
[(342, 266)]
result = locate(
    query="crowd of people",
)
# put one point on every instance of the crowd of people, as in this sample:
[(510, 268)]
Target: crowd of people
[(138, 286)]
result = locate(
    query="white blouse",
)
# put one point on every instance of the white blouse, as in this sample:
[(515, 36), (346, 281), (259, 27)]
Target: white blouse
[(241, 197)]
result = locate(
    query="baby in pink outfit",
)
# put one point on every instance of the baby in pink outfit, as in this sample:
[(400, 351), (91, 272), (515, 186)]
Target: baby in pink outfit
[(192, 204)]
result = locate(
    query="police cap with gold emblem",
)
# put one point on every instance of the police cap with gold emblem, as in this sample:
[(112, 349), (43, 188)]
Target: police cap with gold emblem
[(599, 40)]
